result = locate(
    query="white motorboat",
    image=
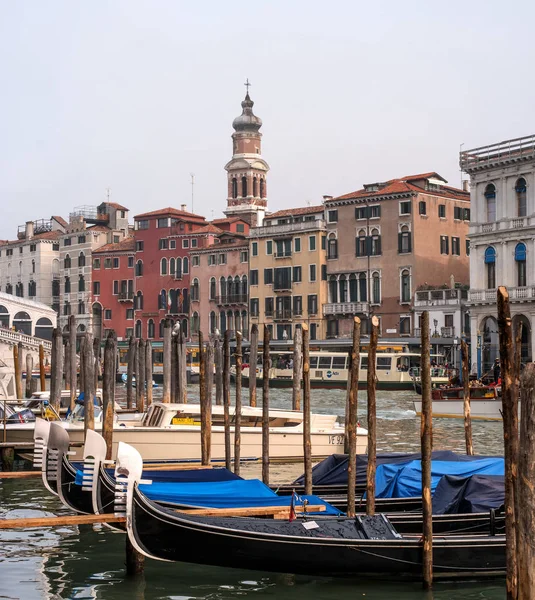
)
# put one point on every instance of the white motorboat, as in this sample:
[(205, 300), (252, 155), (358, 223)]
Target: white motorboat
[(484, 409)]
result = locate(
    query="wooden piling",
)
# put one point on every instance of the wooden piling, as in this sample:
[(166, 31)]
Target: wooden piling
[(135, 561), (72, 361), (29, 378), (66, 363), (372, 417), (307, 445), (352, 419), (89, 381), (42, 375), (466, 400), (426, 441), (148, 371), (108, 391), (297, 369), (226, 397), (510, 438), (346, 412), (525, 489), (253, 361), (21, 360), (140, 377), (96, 353), (18, 374), (205, 415), (166, 361), (218, 359), (174, 368), (56, 374), (130, 368), (209, 352), (265, 404), (182, 369), (237, 407)]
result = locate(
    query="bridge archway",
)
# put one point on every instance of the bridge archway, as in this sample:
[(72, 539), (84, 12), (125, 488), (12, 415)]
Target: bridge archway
[(44, 328), (4, 317), (23, 323)]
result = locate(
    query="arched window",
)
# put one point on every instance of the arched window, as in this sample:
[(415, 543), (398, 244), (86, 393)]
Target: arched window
[(255, 187), (230, 289), (230, 320), (162, 325), (32, 289), (81, 259), (405, 285), (67, 285), (184, 325), (376, 288), (222, 322), (150, 329), (342, 282), (139, 301), (138, 331), (234, 187), (33, 266), (172, 267), (178, 271), (244, 187), (490, 195), (195, 322), (244, 323), (262, 188), (162, 300), (332, 247), (236, 290), (4, 317), (363, 288), (139, 268), (43, 328), (185, 300), (81, 307), (223, 289), (67, 308), (244, 290), (520, 258), (520, 189), (404, 240), (19, 290), (376, 243), (163, 266), (490, 261), (362, 245), (81, 283), (213, 290), (353, 288), (213, 322), (171, 302), (195, 290), (67, 262), (333, 289), (237, 322), (185, 265)]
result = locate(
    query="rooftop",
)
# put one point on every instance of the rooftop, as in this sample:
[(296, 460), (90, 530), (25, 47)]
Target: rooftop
[(170, 212), (295, 212), (507, 152), (126, 245)]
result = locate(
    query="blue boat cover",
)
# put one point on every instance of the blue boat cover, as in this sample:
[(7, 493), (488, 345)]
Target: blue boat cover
[(225, 494), (333, 470), (477, 493), (178, 476), (404, 480)]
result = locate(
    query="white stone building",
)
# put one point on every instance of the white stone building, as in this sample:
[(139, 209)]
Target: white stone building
[(29, 265), (502, 242)]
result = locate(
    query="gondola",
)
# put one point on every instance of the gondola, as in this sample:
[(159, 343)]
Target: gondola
[(364, 546)]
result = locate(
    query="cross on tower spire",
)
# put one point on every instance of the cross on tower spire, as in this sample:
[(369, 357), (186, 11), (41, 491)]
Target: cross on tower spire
[(247, 84)]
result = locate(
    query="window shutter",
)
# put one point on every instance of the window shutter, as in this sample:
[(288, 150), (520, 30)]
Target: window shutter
[(357, 247), (368, 246), (378, 211), (400, 242), (379, 250), (447, 240), (409, 238), (324, 272)]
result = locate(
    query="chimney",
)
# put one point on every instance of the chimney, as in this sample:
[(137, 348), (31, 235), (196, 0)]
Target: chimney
[(466, 185), (29, 230), (325, 198), (183, 207)]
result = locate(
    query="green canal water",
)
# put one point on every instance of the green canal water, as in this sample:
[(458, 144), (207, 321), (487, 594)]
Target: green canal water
[(88, 561)]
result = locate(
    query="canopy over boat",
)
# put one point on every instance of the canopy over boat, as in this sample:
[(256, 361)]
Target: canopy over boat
[(474, 494)]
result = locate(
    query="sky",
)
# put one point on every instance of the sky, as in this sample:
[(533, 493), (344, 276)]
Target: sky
[(132, 96)]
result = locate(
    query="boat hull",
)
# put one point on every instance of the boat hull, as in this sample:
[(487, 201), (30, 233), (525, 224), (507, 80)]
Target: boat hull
[(482, 409), (286, 382)]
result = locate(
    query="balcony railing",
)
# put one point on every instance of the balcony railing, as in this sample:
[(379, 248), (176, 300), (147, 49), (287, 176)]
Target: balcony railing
[(509, 150), (231, 299), (445, 332), (516, 294), (288, 228), (283, 314), (287, 254), (506, 224), (126, 296), (436, 297), (282, 286), (346, 308)]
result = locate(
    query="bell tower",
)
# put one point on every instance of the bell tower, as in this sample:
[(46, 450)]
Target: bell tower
[(247, 170)]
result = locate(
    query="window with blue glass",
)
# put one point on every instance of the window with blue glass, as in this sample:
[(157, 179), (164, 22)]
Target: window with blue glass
[(520, 259), (490, 261)]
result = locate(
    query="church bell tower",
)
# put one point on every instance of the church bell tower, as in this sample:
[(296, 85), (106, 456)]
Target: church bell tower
[(247, 170)]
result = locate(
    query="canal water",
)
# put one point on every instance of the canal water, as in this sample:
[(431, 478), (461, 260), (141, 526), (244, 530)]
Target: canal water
[(88, 561)]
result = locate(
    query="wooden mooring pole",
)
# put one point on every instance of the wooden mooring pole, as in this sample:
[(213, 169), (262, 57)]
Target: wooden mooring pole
[(56, 372), (89, 381), (265, 404), (72, 361), (148, 371), (209, 371), (108, 391), (237, 407), (18, 374), (426, 441), (130, 368), (205, 417), (510, 438), (166, 362), (226, 397), (42, 375), (218, 359), (66, 363), (29, 377), (307, 444), (140, 377), (174, 367), (253, 362), (466, 400), (352, 419), (297, 369), (182, 369), (372, 417)]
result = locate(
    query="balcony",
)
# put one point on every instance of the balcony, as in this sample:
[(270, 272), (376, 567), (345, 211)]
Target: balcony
[(516, 294), (227, 299), (283, 314), (507, 224), (346, 308), (282, 254), (287, 228), (445, 332), (126, 296), (447, 297), (282, 286)]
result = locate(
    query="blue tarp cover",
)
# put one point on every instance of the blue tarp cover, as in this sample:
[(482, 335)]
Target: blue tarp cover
[(478, 493), (404, 480)]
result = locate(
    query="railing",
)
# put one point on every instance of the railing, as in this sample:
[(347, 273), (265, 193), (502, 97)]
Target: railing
[(486, 155), (12, 336), (442, 296), (126, 296), (447, 332), (346, 308), (288, 228), (516, 294), (284, 286), (283, 314), (231, 299), (287, 254), (502, 225)]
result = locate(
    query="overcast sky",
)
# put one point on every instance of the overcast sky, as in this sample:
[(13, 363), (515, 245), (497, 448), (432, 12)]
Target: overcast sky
[(134, 95)]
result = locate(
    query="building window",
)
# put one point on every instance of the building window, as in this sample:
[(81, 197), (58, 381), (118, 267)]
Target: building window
[(467, 242), (269, 247), (361, 213), (254, 248), (163, 266), (195, 323), (81, 259), (194, 243), (213, 322), (67, 242), (520, 259), (129, 313), (163, 244), (490, 196), (268, 276), (332, 216), (521, 204), (297, 305), (297, 274), (332, 247), (130, 262), (67, 308), (268, 307), (490, 261), (195, 290), (312, 304), (222, 259), (404, 240), (456, 246), (243, 256), (107, 263), (262, 188), (333, 289), (244, 187), (312, 243), (404, 325), (376, 288), (139, 268), (107, 314), (195, 261), (212, 260), (375, 212), (96, 263), (115, 288), (67, 285), (444, 244), (234, 187), (297, 244), (138, 330), (55, 247), (185, 243), (405, 286), (254, 276), (254, 307), (32, 289), (33, 247), (185, 265), (96, 288), (81, 283), (375, 243), (405, 208), (442, 211), (116, 263), (81, 239), (140, 245), (361, 244), (312, 273), (143, 224), (163, 222), (150, 329), (255, 187), (67, 262), (422, 207), (213, 288)]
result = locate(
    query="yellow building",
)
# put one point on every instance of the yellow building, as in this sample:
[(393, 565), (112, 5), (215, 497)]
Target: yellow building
[(288, 272)]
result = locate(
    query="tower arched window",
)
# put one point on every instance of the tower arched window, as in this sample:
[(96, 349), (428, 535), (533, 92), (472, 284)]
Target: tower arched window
[(150, 329), (490, 196), (521, 204), (163, 266), (520, 259), (244, 187), (81, 259), (213, 290), (405, 285), (255, 187), (490, 261), (234, 187), (67, 262), (332, 247), (262, 188)]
